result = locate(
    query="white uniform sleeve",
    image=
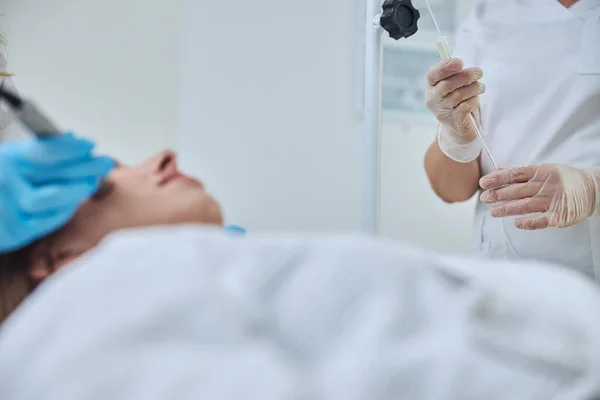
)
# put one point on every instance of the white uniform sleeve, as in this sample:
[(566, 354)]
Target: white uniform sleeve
[(465, 47)]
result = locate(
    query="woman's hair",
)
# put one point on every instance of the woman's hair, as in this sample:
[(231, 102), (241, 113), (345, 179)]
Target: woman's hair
[(4, 49), (16, 282)]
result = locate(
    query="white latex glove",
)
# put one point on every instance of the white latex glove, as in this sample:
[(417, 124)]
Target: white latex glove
[(558, 195), (452, 94)]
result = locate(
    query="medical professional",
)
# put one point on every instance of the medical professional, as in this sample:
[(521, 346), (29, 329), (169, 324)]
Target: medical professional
[(42, 182), (540, 104)]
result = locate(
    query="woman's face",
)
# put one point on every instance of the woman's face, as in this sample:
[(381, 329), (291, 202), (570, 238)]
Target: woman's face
[(152, 193)]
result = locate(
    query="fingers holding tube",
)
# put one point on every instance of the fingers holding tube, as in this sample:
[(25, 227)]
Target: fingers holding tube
[(457, 81), (452, 96), (448, 93), (444, 70), (464, 122), (458, 96)]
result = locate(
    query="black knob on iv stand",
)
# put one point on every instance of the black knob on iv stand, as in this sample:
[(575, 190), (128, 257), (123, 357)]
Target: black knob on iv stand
[(399, 18)]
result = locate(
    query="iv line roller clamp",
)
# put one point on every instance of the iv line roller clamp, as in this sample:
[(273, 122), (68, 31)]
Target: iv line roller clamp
[(399, 18)]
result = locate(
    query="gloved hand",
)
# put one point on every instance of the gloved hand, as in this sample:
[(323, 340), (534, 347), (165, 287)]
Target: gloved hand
[(42, 182), (560, 196), (452, 94)]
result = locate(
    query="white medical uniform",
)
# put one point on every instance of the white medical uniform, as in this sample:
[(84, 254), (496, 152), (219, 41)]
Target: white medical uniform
[(191, 314), (541, 65)]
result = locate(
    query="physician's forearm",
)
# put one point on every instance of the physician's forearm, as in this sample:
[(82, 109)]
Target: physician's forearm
[(452, 181)]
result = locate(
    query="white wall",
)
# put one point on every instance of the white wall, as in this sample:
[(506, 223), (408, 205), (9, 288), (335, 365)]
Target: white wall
[(107, 69), (267, 111), (276, 133)]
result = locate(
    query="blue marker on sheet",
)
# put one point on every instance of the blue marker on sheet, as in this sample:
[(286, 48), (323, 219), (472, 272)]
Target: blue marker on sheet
[(235, 230)]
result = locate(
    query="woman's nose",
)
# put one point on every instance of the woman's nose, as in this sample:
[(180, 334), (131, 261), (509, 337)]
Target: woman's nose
[(165, 161)]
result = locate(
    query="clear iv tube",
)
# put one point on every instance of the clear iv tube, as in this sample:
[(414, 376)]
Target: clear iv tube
[(480, 136), (432, 16), (444, 49)]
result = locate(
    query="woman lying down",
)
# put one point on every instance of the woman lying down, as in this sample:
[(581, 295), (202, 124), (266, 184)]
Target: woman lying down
[(185, 311)]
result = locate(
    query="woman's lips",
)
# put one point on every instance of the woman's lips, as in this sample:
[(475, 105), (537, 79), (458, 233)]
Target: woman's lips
[(171, 178), (176, 176)]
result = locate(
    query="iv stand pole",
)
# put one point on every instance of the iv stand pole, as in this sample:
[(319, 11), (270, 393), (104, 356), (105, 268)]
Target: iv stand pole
[(399, 19), (372, 127)]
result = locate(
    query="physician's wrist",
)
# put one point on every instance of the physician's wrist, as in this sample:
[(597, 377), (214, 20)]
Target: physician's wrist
[(594, 174), (459, 152)]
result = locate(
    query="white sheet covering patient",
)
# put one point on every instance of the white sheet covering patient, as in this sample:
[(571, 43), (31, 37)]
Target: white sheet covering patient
[(191, 313), (184, 311)]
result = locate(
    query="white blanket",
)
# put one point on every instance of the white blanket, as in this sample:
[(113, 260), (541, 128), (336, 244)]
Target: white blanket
[(186, 313)]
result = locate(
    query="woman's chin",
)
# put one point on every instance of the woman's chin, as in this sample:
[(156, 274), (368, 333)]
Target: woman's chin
[(213, 214), (208, 212)]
